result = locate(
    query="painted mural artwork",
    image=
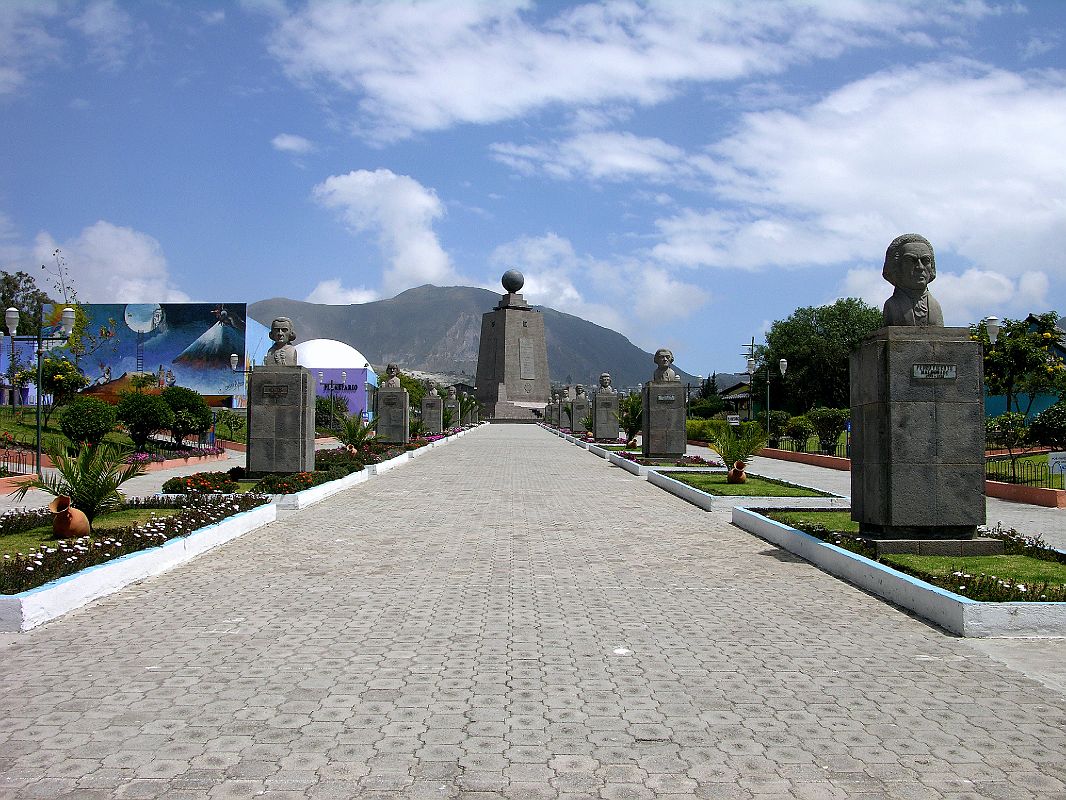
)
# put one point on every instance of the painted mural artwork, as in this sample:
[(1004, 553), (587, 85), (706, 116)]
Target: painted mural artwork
[(179, 344)]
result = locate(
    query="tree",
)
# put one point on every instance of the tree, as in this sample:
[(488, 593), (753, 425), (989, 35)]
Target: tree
[(1025, 360), (817, 341), (828, 424), (61, 379), (709, 387), (87, 419), (19, 290), (630, 416), (143, 414), (1049, 426), (191, 412)]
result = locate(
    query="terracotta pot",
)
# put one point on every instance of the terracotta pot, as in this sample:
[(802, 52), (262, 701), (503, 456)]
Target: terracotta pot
[(737, 474), (68, 522)]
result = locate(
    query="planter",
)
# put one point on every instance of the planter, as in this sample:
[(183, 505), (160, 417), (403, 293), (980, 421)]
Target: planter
[(385, 466), (25, 610), (713, 502), (1033, 495), (627, 465), (956, 614), (308, 497)]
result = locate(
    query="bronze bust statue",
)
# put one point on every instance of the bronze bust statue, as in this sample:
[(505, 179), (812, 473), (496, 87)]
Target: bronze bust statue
[(910, 266), (664, 372), (282, 352), (392, 379)]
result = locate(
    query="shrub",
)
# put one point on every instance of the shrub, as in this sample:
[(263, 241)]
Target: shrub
[(706, 408), (91, 478), (233, 421), (292, 483), (737, 444), (778, 423), (1049, 426), (828, 424), (87, 419), (800, 430), (191, 412), (338, 459), (62, 379), (143, 415), (329, 414), (630, 415), (201, 483), (355, 432)]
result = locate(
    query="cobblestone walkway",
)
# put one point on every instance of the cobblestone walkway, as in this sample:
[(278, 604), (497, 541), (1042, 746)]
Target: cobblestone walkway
[(510, 616)]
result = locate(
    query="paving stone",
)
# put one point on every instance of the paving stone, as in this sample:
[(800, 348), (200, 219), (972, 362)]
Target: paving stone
[(450, 628)]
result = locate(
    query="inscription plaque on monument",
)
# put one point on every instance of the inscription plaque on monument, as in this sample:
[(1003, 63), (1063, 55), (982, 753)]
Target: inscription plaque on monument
[(605, 416), (935, 372), (393, 415), (281, 420), (526, 362)]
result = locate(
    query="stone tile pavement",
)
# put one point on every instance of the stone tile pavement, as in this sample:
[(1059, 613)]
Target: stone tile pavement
[(512, 617)]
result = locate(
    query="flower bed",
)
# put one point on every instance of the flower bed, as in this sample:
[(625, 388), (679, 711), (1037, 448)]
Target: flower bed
[(36, 567)]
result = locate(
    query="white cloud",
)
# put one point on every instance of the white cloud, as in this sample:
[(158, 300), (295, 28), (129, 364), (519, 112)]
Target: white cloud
[(25, 40), (291, 143), (112, 264), (216, 17), (400, 212), (628, 296), (965, 297), (429, 66), (108, 30), (333, 293), (599, 155), (967, 155)]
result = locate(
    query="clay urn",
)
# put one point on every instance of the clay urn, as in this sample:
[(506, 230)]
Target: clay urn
[(68, 522), (737, 474)]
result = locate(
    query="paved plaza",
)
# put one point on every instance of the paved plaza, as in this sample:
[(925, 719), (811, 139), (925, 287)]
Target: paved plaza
[(509, 616)]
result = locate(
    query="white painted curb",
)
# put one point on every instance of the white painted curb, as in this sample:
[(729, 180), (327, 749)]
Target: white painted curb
[(25, 610), (385, 466), (711, 502), (308, 497), (627, 465), (598, 451), (956, 614)]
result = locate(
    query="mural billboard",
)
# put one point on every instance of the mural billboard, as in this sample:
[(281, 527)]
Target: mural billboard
[(180, 344)]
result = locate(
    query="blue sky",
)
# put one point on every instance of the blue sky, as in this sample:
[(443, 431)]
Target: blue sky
[(683, 172)]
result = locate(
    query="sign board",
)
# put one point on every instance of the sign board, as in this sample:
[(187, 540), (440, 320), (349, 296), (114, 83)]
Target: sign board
[(733, 419), (1056, 463), (935, 372)]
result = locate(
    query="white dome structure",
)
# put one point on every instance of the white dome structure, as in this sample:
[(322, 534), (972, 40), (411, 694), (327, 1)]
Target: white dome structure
[(328, 354)]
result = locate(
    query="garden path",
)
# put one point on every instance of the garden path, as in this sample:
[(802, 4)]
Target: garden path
[(510, 616)]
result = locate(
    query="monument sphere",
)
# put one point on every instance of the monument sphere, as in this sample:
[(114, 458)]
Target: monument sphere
[(513, 280)]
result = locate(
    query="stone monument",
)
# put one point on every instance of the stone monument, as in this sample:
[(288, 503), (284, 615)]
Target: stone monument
[(580, 406), (512, 362), (605, 410), (281, 408), (917, 411), (393, 412), (432, 408), (663, 434), (451, 404)]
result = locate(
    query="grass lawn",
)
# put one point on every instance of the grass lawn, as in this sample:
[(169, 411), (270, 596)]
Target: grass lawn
[(22, 424), (13, 543), (1018, 568), (1021, 569), (715, 483)]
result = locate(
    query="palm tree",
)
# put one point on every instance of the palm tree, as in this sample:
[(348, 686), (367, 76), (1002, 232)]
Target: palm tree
[(91, 478)]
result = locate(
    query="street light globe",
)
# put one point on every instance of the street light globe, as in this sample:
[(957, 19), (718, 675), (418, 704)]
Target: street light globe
[(782, 365), (751, 366), (69, 315), (11, 317)]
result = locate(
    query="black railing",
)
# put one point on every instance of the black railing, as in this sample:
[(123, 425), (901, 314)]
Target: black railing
[(812, 445), (16, 461), (1024, 473)]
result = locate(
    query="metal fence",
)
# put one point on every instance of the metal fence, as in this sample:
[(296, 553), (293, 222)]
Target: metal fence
[(16, 461), (841, 449), (1025, 473)]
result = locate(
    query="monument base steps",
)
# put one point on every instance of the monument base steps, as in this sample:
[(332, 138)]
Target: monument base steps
[(939, 547)]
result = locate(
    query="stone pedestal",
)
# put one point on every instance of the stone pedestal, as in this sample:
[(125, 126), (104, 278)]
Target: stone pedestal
[(432, 410), (281, 420), (918, 434), (664, 420), (605, 416), (452, 407), (581, 410), (393, 415)]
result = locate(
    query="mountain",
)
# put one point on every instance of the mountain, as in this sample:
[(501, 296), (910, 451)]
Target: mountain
[(437, 329)]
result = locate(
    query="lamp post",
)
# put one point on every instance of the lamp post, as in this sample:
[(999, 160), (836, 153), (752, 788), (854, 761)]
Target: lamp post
[(11, 317), (781, 365), (751, 376)]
